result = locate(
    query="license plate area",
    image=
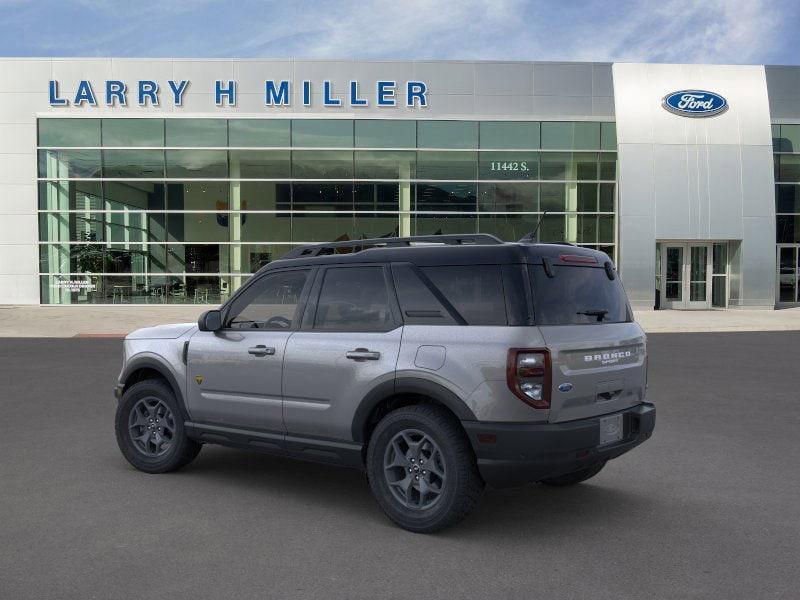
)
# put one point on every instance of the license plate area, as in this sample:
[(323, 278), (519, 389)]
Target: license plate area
[(611, 429)]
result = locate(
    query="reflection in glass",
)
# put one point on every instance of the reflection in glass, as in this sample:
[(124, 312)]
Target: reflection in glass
[(260, 164), (508, 197), (197, 164), (322, 164), (197, 133), (259, 133), (385, 164), (447, 165), (509, 134), (446, 197), (65, 133), (447, 134), (384, 133), (64, 164), (133, 132), (132, 164), (322, 133)]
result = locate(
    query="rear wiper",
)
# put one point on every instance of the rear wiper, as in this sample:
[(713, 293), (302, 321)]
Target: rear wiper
[(599, 313)]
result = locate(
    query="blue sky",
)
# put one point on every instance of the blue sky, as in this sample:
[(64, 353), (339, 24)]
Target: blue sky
[(712, 31)]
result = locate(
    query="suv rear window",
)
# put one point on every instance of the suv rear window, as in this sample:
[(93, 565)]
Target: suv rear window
[(577, 296)]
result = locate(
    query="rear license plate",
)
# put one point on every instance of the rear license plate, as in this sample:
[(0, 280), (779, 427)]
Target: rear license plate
[(610, 429)]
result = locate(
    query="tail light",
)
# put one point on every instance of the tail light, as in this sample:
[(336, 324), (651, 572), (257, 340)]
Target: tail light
[(528, 376)]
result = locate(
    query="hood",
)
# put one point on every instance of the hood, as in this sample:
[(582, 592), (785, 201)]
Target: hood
[(161, 332)]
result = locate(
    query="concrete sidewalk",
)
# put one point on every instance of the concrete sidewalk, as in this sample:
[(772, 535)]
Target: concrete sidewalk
[(116, 321)]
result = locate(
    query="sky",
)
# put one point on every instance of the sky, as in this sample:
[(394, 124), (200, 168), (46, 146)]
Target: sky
[(680, 31)]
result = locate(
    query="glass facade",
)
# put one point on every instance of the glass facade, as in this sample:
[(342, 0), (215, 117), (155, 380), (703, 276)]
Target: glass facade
[(786, 148), (184, 210)]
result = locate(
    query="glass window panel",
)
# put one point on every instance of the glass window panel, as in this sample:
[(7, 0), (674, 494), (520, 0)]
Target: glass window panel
[(148, 164), (585, 166), (608, 166), (354, 299), (587, 197), (385, 165), (509, 134), (270, 303), (447, 165), (263, 195), (508, 197), (776, 138), (587, 229), (720, 256), (553, 197), (65, 133), (447, 134), (509, 228), (790, 138), (509, 165), (587, 136), (322, 164), (197, 133), (556, 165), (197, 163), (70, 195), (788, 288), (381, 133), (444, 224), (322, 133), (322, 227), (198, 258), (78, 227), (789, 170), (376, 225), (63, 164), (260, 164), (446, 197), (133, 132), (608, 136), (198, 195), (788, 229), (476, 292), (112, 289), (322, 196), (198, 227), (133, 195), (259, 133), (265, 227), (787, 198), (197, 289), (255, 256), (99, 258), (610, 250), (553, 228), (605, 230), (606, 197), (134, 227), (557, 135), (381, 196)]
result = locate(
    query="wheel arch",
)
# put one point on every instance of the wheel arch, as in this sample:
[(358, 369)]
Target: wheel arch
[(148, 367), (404, 391)]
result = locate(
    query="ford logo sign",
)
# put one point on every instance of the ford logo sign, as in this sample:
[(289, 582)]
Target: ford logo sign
[(695, 103), (565, 387)]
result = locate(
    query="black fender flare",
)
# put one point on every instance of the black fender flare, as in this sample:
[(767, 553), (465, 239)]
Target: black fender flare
[(407, 385), (150, 362)]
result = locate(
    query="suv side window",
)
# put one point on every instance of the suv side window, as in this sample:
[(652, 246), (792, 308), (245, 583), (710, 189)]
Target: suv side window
[(270, 303), (354, 299), (417, 302), (476, 291)]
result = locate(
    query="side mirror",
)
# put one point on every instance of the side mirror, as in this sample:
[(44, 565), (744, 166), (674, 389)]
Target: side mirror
[(211, 320)]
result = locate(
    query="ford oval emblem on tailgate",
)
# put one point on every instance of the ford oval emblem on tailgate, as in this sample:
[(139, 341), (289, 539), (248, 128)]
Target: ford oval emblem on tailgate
[(565, 387)]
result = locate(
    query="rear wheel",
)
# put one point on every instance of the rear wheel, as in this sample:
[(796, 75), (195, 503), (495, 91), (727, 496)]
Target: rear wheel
[(575, 476), (422, 470), (150, 431)]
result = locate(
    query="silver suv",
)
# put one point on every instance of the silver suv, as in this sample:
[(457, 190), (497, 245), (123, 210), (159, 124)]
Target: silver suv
[(436, 364)]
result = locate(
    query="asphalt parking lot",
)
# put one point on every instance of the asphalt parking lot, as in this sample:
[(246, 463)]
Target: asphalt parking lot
[(708, 508)]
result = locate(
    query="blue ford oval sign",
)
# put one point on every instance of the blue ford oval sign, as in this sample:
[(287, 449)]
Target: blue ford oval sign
[(695, 103)]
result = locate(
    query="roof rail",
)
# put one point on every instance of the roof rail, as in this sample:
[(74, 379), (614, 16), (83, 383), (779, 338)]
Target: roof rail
[(352, 246)]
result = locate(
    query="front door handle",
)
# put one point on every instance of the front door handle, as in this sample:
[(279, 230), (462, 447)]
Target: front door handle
[(261, 350), (363, 354)]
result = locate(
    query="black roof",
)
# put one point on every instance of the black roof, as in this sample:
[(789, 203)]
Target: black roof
[(472, 249)]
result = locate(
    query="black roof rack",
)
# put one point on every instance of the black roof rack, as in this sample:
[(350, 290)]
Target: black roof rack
[(352, 246)]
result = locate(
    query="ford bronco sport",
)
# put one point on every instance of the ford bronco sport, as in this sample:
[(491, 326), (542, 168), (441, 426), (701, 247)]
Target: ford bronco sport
[(436, 364)]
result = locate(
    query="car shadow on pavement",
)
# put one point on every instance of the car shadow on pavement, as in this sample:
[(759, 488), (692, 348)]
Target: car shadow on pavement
[(526, 510)]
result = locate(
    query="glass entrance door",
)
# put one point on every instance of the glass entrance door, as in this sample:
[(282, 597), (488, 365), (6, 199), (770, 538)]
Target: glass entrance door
[(686, 275), (788, 282)]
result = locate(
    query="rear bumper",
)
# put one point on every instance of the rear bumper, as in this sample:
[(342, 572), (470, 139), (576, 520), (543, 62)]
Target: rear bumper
[(528, 452)]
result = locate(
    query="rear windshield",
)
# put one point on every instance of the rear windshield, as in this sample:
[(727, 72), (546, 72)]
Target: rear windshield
[(577, 296)]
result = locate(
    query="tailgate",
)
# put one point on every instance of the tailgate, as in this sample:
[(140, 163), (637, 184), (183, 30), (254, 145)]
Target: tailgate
[(596, 369)]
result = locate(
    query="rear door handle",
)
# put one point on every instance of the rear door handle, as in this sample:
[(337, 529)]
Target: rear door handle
[(261, 350), (363, 354)]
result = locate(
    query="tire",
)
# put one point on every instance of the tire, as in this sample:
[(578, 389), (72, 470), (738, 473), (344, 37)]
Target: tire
[(575, 476), (404, 439), (158, 420)]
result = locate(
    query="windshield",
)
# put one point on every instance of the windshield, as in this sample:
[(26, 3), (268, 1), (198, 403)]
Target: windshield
[(577, 296)]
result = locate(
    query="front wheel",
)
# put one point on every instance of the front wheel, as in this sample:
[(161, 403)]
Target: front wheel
[(150, 430), (422, 469)]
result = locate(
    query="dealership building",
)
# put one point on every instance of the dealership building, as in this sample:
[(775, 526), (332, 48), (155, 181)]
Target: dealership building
[(167, 181)]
